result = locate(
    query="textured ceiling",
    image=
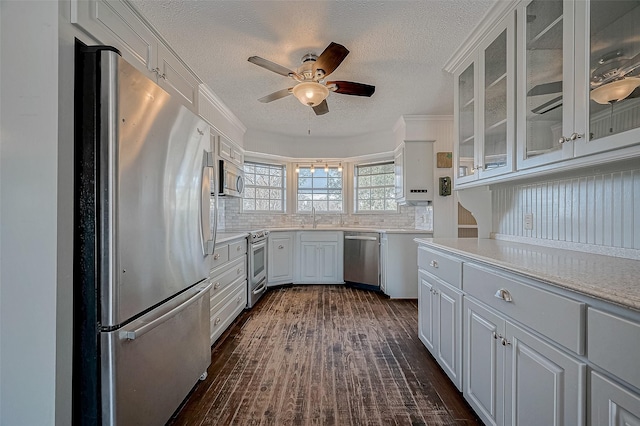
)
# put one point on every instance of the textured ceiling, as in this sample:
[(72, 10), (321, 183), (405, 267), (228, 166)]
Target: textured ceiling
[(398, 46)]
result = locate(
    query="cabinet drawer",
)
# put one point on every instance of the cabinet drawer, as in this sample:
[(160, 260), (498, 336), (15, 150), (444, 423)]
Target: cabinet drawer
[(222, 277), (217, 301), (237, 249), (319, 236), (557, 317), (220, 255), (442, 266), (225, 316), (613, 343)]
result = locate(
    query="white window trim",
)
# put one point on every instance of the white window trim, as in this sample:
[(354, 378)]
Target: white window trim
[(352, 187), (286, 200)]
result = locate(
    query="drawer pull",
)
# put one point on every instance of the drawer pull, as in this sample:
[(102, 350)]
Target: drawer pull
[(434, 263), (280, 247), (217, 321), (216, 286), (216, 256), (504, 295)]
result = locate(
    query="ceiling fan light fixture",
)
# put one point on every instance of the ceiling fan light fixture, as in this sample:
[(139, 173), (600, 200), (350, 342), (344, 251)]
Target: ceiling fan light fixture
[(310, 93), (614, 91)]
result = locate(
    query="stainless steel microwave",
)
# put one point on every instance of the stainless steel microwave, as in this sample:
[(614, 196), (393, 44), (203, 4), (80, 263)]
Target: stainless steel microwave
[(231, 179)]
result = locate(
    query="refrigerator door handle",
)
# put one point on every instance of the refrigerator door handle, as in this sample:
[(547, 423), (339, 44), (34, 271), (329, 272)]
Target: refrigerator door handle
[(134, 334), (205, 206)]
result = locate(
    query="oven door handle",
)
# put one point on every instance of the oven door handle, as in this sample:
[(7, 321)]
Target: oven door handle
[(260, 288)]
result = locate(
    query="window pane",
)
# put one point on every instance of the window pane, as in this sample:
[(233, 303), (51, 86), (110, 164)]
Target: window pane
[(320, 187), (264, 184), (375, 187)]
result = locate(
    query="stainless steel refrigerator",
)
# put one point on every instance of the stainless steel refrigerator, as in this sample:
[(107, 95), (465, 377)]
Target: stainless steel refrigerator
[(142, 245)]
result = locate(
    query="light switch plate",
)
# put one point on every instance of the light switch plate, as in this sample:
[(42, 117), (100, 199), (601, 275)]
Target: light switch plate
[(528, 221)]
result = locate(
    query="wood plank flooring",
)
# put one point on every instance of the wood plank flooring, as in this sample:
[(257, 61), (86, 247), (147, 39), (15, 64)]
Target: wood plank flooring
[(324, 355)]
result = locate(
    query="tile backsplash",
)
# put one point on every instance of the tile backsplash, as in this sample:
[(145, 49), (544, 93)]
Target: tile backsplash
[(231, 218)]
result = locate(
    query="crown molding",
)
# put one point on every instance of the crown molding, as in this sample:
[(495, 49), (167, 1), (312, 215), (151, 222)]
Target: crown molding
[(493, 16), (220, 106)]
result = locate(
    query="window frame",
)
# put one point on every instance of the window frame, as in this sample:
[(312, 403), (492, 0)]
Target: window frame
[(283, 188), (296, 190), (354, 186)]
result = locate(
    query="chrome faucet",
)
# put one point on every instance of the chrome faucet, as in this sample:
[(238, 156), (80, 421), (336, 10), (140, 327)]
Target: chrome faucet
[(313, 212)]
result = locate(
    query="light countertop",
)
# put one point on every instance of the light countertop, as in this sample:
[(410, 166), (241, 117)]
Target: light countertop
[(223, 237), (612, 279)]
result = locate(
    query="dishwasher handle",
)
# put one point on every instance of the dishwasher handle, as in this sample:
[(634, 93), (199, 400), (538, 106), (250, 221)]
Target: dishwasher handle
[(352, 237)]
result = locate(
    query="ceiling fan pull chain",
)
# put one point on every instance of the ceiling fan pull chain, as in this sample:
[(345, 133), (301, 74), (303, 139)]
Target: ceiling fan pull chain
[(309, 128)]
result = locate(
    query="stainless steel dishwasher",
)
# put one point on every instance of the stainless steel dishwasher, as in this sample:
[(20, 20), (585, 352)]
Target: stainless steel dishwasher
[(362, 259)]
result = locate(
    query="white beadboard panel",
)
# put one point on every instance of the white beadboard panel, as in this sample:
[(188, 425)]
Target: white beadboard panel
[(599, 209)]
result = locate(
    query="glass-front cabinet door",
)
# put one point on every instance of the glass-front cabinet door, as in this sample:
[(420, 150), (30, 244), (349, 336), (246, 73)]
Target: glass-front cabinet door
[(497, 113), (485, 110), (545, 95), (465, 100), (610, 85)]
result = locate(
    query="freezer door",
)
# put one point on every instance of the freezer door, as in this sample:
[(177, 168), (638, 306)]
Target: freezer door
[(153, 193), (150, 365)]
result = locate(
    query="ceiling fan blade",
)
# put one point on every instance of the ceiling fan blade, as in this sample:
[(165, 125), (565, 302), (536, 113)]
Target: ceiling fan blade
[(271, 66), (351, 88), (321, 108), (276, 95), (329, 60), (546, 89), (630, 65)]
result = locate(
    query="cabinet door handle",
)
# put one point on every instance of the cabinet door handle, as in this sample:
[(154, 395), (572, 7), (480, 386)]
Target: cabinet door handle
[(563, 139), (238, 299), (505, 342), (217, 321), (216, 286), (504, 294), (495, 335), (575, 136), (238, 270), (280, 247), (216, 256), (434, 263), (238, 248)]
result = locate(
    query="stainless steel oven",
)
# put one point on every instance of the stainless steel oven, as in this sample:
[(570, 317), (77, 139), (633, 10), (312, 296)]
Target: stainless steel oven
[(257, 281)]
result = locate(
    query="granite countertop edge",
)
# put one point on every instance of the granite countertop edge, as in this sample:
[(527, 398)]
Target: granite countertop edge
[(607, 278)]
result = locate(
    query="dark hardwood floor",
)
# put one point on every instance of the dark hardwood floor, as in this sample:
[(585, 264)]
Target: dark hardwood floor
[(327, 355)]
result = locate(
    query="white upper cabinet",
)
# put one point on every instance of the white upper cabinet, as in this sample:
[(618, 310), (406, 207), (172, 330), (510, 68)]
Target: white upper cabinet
[(578, 94), (548, 85), (484, 101), (413, 166), (115, 23)]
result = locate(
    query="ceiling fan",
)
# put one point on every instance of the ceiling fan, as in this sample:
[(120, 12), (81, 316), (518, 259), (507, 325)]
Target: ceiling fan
[(311, 88), (611, 81)]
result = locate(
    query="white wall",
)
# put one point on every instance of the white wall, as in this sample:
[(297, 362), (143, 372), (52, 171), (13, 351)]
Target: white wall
[(28, 211), (306, 146)]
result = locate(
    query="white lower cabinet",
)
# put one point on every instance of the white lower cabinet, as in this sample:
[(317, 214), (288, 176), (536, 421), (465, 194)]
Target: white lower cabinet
[(320, 257), (515, 378), (440, 323), (611, 404), (280, 258), (228, 279)]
